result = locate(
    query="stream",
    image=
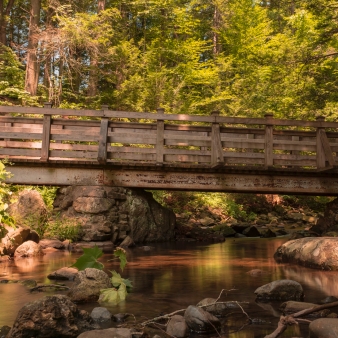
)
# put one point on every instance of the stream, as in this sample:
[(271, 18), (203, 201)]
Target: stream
[(172, 276)]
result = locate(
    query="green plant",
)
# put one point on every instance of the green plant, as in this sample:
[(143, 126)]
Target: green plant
[(63, 228), (5, 218), (121, 286)]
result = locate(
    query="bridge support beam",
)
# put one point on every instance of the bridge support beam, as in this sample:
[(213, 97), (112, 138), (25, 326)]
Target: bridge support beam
[(311, 184)]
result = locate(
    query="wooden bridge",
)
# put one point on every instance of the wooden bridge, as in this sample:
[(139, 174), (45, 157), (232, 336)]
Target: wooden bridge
[(50, 146)]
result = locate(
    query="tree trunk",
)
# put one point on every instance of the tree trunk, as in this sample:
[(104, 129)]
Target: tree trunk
[(4, 13), (93, 72), (215, 38), (48, 55), (32, 66)]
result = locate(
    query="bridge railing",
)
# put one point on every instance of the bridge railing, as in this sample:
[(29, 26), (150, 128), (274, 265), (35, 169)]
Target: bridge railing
[(109, 137)]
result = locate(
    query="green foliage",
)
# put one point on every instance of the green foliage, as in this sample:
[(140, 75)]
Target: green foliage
[(192, 202), (89, 259), (5, 218), (63, 228), (48, 195), (120, 285), (121, 254)]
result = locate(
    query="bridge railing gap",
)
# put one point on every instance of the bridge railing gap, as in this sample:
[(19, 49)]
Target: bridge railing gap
[(108, 137)]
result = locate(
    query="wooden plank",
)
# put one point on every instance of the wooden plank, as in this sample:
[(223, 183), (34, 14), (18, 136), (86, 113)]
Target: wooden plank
[(159, 142), (131, 149), (45, 139), (18, 144), (102, 151), (243, 143), (28, 129), (268, 142), (69, 146), (21, 136), (217, 158), (320, 152), (78, 138), (21, 152), (187, 158), (73, 154), (131, 139), (326, 148), (131, 156)]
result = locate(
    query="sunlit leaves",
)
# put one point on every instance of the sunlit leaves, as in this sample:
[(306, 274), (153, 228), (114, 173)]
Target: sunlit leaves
[(89, 259), (121, 254)]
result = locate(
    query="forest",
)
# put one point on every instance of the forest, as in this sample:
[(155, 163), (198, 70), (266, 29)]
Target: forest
[(241, 57)]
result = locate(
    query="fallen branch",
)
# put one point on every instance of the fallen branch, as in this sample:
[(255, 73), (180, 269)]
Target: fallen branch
[(286, 321), (169, 315)]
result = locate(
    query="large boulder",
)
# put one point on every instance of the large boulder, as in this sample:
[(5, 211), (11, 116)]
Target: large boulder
[(284, 289), (324, 328), (51, 317), (87, 285), (328, 222), (112, 213), (15, 237), (30, 209), (28, 249), (313, 252), (201, 321)]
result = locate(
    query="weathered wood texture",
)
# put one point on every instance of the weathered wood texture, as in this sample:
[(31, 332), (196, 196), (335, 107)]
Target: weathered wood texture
[(215, 142)]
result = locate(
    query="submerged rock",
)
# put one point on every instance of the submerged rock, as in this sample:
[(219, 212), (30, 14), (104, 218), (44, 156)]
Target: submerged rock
[(201, 321), (101, 315), (65, 273), (284, 289), (324, 328), (4, 331), (87, 285), (107, 333), (217, 309), (177, 327), (312, 252), (51, 317), (52, 243)]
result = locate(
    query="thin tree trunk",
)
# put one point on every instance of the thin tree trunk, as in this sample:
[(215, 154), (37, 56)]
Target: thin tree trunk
[(215, 38), (48, 55), (93, 72), (4, 14), (32, 67)]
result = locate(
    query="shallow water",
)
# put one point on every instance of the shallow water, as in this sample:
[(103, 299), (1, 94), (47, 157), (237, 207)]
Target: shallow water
[(172, 276)]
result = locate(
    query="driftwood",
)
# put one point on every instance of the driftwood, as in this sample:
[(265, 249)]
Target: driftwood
[(293, 319)]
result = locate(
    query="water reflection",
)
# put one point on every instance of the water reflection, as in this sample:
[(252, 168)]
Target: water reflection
[(174, 275)]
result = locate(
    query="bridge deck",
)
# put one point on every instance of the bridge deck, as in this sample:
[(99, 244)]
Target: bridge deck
[(45, 139)]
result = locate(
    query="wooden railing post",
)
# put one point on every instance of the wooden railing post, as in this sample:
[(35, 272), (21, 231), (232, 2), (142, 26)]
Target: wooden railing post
[(323, 149), (160, 139), (102, 151), (47, 119), (268, 144), (217, 159)]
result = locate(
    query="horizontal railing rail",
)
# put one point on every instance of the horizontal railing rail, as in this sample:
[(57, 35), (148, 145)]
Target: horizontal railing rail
[(109, 137)]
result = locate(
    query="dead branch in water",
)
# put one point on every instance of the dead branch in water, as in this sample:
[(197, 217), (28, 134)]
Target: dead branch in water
[(292, 319)]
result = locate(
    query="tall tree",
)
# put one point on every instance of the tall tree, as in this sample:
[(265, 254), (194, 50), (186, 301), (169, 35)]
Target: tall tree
[(32, 65), (5, 9)]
